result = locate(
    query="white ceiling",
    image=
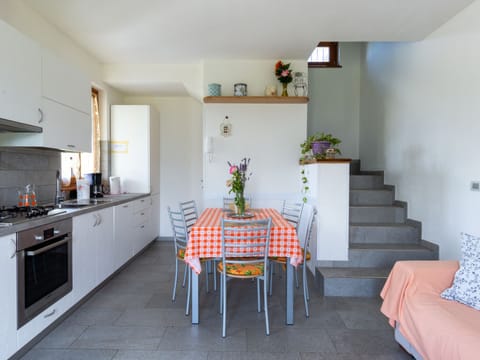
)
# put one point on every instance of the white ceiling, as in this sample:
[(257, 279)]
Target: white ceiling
[(189, 31)]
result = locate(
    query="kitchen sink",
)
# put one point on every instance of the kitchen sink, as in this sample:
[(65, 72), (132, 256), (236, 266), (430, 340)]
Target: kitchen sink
[(83, 203)]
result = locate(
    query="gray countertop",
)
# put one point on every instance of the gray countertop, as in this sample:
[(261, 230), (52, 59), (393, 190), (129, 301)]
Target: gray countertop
[(114, 200)]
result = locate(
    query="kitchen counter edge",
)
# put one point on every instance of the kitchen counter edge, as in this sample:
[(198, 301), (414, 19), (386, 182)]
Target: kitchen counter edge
[(71, 212)]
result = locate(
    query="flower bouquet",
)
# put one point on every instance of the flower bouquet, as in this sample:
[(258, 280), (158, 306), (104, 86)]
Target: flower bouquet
[(284, 75), (237, 183)]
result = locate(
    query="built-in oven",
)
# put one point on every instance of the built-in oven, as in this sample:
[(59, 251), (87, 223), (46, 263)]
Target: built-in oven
[(44, 267)]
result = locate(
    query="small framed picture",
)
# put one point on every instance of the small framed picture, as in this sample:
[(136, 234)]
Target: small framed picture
[(240, 89)]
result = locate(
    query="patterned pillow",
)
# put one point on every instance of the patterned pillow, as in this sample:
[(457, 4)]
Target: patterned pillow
[(466, 284)]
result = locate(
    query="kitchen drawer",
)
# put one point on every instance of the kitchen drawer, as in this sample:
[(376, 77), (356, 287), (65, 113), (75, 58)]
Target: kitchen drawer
[(141, 217), (40, 322), (141, 204)]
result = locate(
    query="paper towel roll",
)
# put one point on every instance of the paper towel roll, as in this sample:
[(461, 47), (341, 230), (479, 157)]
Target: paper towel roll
[(114, 185)]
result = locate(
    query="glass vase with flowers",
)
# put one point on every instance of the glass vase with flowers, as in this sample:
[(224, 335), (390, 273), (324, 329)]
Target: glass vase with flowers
[(284, 75), (237, 184)]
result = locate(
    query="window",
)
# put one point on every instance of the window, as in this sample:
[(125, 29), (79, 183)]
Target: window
[(79, 164), (324, 55)]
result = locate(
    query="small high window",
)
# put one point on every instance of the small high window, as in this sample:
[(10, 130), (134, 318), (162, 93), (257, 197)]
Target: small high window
[(324, 55)]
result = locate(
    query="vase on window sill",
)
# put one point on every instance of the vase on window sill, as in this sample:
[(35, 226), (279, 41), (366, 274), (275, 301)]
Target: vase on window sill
[(284, 89)]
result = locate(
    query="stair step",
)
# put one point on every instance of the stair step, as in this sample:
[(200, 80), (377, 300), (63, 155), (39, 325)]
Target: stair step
[(366, 181), (384, 255), (372, 196), (351, 281), (387, 233), (377, 214)]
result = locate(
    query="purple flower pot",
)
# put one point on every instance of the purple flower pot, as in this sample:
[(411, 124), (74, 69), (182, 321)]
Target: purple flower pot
[(319, 147)]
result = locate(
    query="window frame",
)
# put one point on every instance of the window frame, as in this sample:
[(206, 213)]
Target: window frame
[(333, 61)]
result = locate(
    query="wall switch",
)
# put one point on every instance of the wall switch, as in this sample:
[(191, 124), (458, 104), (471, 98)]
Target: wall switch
[(475, 186)]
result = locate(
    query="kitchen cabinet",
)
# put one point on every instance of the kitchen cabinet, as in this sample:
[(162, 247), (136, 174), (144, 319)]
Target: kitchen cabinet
[(8, 296), (92, 250), (38, 88), (155, 218), (20, 77), (64, 83), (105, 262), (141, 224), (123, 233), (132, 227)]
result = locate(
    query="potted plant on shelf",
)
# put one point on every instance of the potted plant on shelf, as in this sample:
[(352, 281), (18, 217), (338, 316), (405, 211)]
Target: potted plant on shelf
[(316, 145)]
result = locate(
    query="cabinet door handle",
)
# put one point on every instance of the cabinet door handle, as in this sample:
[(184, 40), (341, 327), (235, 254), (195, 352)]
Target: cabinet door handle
[(96, 220), (71, 146), (99, 219), (50, 313), (14, 248), (41, 116), (125, 206)]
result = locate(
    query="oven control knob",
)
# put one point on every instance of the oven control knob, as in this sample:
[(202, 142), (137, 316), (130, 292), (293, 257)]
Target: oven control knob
[(38, 237)]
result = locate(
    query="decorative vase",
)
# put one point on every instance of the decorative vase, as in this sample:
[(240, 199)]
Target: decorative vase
[(240, 204), (284, 89), (319, 147)]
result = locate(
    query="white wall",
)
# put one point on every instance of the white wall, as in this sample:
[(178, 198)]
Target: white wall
[(268, 134), (420, 111), (334, 93), (180, 140)]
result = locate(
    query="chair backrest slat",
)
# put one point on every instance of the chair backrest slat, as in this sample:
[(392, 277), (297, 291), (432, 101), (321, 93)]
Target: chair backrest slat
[(179, 229), (245, 238), (292, 212), (229, 204), (189, 213)]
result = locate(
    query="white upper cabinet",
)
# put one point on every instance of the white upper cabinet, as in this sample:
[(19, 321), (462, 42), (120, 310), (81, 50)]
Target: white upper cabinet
[(39, 88), (64, 83), (20, 77)]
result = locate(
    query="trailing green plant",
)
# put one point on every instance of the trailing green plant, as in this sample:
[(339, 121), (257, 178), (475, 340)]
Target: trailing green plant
[(305, 187)]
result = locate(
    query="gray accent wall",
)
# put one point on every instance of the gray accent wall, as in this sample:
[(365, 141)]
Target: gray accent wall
[(22, 166), (334, 93)]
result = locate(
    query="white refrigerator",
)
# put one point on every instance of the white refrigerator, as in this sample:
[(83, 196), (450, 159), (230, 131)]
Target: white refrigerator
[(135, 151)]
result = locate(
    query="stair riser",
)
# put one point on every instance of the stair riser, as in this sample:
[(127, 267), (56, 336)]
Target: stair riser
[(366, 182), (383, 258), (384, 234), (371, 197), (363, 287), (375, 215)]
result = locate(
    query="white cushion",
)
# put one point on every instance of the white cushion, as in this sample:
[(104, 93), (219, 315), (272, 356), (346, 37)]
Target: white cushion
[(466, 284)]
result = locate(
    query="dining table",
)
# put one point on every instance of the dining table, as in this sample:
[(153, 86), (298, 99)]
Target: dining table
[(205, 242)]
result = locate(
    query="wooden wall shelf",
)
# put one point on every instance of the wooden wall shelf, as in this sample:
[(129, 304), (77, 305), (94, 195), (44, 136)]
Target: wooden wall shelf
[(255, 99)]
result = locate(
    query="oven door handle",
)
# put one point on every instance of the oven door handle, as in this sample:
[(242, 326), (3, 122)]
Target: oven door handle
[(46, 248)]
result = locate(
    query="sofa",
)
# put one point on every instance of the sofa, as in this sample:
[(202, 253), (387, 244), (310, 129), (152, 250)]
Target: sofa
[(427, 325)]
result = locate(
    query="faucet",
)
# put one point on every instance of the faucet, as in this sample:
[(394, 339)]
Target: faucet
[(58, 190)]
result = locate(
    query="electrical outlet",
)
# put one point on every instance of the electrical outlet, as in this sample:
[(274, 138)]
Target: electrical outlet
[(475, 186)]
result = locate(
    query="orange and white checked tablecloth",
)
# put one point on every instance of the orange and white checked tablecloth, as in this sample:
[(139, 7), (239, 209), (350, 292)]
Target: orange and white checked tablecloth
[(205, 239)]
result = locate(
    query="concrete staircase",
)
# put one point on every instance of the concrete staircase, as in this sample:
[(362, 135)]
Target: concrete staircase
[(380, 234)]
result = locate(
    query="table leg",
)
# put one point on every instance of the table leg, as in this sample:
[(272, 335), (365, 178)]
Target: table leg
[(289, 320), (195, 304)]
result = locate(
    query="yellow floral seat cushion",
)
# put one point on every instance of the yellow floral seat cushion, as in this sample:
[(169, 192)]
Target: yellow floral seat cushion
[(283, 259), (242, 270), (181, 254)]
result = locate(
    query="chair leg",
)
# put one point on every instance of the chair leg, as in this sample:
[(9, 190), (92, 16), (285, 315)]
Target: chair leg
[(305, 291), (265, 299), (189, 284), (175, 279), (207, 270), (220, 303), (271, 278), (259, 305), (214, 275), (184, 275), (224, 306)]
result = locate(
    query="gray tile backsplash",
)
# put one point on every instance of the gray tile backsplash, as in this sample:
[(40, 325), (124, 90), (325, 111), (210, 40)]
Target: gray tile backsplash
[(22, 166)]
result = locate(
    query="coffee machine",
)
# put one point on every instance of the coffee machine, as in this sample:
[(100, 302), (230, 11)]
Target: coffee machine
[(95, 180)]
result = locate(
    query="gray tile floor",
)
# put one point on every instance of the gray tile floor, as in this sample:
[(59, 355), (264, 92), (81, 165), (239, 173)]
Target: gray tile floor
[(132, 317)]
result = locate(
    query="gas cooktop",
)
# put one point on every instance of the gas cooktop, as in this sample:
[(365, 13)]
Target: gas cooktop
[(15, 215)]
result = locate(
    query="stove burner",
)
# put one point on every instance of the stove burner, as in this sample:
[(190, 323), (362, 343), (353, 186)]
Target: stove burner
[(16, 213)]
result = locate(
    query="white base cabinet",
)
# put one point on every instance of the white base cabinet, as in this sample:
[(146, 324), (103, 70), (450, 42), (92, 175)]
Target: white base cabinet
[(92, 250), (8, 296)]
